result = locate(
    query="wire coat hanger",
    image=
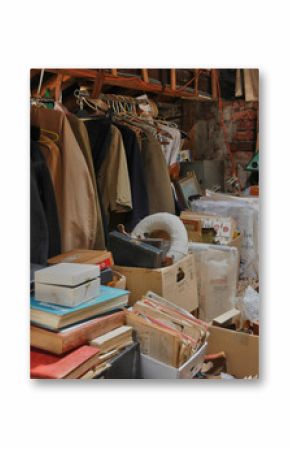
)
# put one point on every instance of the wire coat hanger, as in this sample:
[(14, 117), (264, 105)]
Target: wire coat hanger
[(51, 135)]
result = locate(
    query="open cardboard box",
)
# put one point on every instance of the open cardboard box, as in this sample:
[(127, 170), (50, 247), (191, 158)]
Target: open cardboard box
[(193, 224), (242, 351), (177, 282)]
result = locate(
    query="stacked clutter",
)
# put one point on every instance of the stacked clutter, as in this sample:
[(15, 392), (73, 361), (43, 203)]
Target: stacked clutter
[(109, 179), (77, 324), (155, 257), (184, 316), (172, 341), (103, 259), (245, 211), (223, 237), (214, 240)]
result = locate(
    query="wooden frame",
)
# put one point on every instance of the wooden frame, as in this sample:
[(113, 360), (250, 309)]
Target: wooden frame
[(112, 78)]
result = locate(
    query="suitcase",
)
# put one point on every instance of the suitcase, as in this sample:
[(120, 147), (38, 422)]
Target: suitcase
[(131, 252)]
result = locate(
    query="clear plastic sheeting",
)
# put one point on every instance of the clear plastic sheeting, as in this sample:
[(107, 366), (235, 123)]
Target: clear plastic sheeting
[(251, 304), (246, 213), (216, 269)]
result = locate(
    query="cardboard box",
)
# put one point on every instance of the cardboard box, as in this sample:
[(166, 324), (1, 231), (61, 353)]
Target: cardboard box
[(119, 281), (177, 282), (154, 369), (242, 351), (193, 227), (225, 227)]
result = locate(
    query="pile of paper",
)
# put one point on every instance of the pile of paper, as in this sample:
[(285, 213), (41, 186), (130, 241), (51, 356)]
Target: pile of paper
[(166, 332), (113, 340)]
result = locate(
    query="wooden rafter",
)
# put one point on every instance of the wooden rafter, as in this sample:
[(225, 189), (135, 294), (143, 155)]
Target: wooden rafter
[(173, 79), (145, 76), (214, 84)]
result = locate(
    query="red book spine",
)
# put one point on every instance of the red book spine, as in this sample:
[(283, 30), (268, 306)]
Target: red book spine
[(105, 264)]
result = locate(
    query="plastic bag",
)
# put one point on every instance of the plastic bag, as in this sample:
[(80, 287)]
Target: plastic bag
[(246, 213), (251, 304), (216, 270)]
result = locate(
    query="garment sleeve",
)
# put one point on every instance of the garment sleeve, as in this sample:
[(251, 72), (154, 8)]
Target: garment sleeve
[(79, 204), (175, 147), (113, 177)]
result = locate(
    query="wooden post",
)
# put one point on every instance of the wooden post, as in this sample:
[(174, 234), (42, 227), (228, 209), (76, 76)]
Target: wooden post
[(173, 79), (145, 76), (98, 84), (114, 72), (214, 80), (196, 82), (58, 85)]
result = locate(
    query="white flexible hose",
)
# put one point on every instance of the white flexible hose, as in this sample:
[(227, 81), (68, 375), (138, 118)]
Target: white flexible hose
[(170, 224)]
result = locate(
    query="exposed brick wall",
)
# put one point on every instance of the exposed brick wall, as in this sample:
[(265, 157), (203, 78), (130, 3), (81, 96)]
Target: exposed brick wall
[(201, 120), (241, 119)]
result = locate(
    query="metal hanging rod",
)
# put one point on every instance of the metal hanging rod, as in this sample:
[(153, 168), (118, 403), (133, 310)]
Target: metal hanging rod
[(85, 92)]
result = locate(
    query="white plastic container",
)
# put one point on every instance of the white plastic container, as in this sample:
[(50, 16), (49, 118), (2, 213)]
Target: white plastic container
[(154, 369)]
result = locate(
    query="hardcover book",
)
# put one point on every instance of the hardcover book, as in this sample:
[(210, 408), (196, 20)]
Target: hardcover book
[(54, 316), (76, 335), (70, 366)]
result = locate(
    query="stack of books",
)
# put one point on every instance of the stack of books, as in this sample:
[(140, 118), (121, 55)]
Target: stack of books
[(64, 339)]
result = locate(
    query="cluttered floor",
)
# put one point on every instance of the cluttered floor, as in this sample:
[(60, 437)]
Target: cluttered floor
[(144, 225)]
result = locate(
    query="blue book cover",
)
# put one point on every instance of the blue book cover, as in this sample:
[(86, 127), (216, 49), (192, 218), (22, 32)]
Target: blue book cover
[(107, 294)]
